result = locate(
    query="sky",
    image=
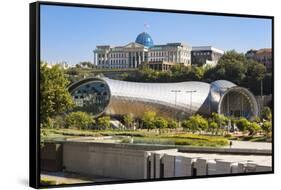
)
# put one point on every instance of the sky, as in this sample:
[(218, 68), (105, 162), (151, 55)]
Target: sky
[(71, 33)]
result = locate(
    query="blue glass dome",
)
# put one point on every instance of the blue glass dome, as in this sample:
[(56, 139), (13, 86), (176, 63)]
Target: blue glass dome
[(144, 39)]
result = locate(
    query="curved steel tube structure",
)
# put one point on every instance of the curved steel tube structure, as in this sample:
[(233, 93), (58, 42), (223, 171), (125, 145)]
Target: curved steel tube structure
[(175, 100)]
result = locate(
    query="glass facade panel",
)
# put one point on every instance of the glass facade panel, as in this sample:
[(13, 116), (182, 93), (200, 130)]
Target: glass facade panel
[(92, 97)]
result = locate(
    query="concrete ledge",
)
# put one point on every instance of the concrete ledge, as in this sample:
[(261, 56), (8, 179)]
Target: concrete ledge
[(239, 151), (214, 150)]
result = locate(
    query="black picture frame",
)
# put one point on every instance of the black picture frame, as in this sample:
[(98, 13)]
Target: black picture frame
[(34, 87)]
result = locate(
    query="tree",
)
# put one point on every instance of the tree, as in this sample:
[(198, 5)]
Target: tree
[(255, 74), (79, 120), (190, 125), (196, 73), (54, 96), (172, 124), (85, 64), (160, 123), (253, 128), (242, 124), (255, 71), (148, 120), (267, 127), (128, 120), (266, 113), (220, 119), (231, 66), (202, 122), (213, 127), (104, 122), (195, 123), (57, 121)]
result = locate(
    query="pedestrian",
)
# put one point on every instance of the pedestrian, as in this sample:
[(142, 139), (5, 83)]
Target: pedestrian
[(230, 144)]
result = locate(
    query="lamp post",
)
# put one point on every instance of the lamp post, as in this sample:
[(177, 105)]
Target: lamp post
[(190, 104), (176, 93)]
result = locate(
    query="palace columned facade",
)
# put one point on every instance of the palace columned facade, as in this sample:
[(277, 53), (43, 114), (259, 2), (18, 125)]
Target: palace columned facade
[(141, 51)]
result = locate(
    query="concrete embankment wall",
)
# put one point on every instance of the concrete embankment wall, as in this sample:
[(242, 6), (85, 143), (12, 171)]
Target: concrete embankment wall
[(131, 161), (103, 160), (172, 163)]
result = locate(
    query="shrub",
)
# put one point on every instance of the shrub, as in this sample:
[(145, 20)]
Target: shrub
[(266, 113), (172, 124), (79, 120), (267, 127), (213, 126), (160, 123), (195, 123), (253, 128), (59, 122), (242, 124), (128, 120), (148, 120), (221, 120), (104, 122)]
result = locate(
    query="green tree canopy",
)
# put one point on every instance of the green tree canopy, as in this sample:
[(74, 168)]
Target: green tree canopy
[(242, 124), (148, 120), (104, 122), (79, 120), (54, 96), (255, 70), (172, 124), (128, 120), (190, 125), (220, 119), (267, 127), (213, 126), (266, 113), (195, 123), (231, 66), (160, 123), (253, 128)]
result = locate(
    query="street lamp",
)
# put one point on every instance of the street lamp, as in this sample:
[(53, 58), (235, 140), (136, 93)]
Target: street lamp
[(176, 93), (190, 105)]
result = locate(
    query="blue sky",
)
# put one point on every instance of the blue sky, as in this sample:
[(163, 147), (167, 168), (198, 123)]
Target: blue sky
[(71, 33)]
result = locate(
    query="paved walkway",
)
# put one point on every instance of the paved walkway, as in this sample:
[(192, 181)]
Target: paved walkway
[(70, 178), (251, 145)]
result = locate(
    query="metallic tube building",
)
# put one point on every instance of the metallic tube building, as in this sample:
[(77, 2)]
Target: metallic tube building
[(175, 100)]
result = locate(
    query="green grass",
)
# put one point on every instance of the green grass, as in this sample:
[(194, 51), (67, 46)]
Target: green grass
[(201, 142), (94, 133), (142, 137)]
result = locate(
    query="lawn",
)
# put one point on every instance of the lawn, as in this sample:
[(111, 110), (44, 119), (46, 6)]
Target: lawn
[(142, 137)]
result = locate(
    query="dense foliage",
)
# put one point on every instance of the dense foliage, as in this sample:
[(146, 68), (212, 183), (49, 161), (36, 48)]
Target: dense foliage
[(103, 122), (79, 120), (232, 66), (54, 96)]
